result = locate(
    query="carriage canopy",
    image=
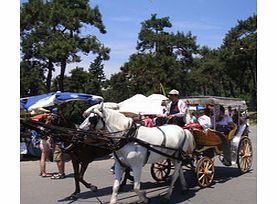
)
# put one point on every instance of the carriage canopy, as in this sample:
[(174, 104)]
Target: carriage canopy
[(216, 100), (140, 104), (56, 98)]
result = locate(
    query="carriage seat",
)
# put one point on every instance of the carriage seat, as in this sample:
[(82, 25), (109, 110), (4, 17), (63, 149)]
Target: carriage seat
[(209, 138), (232, 132)]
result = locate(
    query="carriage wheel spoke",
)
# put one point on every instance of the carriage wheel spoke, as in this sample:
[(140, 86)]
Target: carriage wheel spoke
[(210, 166), (158, 174), (205, 172), (245, 164), (203, 181), (201, 177), (201, 169), (204, 165), (206, 180), (162, 173), (247, 161), (246, 148), (245, 155), (242, 164), (161, 170), (209, 177)]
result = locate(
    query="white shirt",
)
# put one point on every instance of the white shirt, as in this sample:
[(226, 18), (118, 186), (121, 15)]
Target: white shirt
[(205, 122), (225, 120)]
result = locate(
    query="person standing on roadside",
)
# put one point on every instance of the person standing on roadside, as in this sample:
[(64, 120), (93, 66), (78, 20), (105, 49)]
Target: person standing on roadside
[(42, 142), (55, 118)]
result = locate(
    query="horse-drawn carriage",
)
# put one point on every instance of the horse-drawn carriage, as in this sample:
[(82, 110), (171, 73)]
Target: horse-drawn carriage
[(134, 146), (236, 145)]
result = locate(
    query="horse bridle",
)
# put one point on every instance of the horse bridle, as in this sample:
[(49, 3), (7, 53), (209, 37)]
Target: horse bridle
[(93, 120)]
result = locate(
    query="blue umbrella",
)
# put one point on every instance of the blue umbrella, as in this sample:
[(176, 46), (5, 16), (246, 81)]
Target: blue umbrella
[(56, 98), (22, 104)]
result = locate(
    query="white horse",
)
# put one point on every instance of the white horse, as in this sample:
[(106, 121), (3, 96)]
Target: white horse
[(136, 156)]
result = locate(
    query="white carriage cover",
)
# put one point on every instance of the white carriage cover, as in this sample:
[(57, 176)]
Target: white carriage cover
[(140, 104)]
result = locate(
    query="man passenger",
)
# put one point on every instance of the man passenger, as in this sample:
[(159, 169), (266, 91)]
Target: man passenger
[(204, 120), (223, 121)]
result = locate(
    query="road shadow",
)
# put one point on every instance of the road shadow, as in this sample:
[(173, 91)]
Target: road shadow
[(27, 157), (161, 189), (150, 187), (88, 195), (222, 175)]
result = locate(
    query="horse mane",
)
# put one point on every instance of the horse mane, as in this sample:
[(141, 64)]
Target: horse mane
[(117, 119)]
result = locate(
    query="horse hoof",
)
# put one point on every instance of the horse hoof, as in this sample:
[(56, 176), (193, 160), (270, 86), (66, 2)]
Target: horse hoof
[(73, 196), (146, 200), (93, 188)]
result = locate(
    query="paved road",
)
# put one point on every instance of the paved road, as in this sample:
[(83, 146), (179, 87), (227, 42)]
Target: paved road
[(229, 186)]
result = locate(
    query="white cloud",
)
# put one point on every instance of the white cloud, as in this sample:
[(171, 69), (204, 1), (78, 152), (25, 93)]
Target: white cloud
[(196, 25)]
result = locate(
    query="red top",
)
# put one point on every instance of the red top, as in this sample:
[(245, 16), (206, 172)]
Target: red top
[(39, 117), (192, 125), (148, 122)]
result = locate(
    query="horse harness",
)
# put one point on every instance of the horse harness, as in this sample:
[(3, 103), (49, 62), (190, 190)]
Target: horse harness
[(131, 136)]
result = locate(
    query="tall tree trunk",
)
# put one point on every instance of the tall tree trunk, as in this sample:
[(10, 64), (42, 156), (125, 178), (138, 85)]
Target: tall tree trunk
[(49, 75), (61, 79)]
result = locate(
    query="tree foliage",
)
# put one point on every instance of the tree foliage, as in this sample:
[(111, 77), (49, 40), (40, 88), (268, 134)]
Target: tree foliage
[(162, 57), (51, 33), (239, 52), (31, 79), (176, 61), (51, 36)]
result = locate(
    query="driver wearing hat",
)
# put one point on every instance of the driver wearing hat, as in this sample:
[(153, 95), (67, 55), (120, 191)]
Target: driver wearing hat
[(176, 110)]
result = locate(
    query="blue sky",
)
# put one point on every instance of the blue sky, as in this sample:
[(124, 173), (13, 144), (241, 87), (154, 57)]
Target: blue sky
[(209, 20)]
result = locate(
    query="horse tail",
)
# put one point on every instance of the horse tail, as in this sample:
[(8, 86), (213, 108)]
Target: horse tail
[(189, 144)]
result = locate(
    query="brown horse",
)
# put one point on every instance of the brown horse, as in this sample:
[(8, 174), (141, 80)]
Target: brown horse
[(82, 151), (81, 154)]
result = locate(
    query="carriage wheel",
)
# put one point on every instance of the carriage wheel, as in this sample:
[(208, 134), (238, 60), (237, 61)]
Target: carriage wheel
[(161, 170), (245, 155), (205, 172)]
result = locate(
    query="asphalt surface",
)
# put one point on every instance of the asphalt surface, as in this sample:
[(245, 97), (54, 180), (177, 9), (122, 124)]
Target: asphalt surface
[(229, 186)]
